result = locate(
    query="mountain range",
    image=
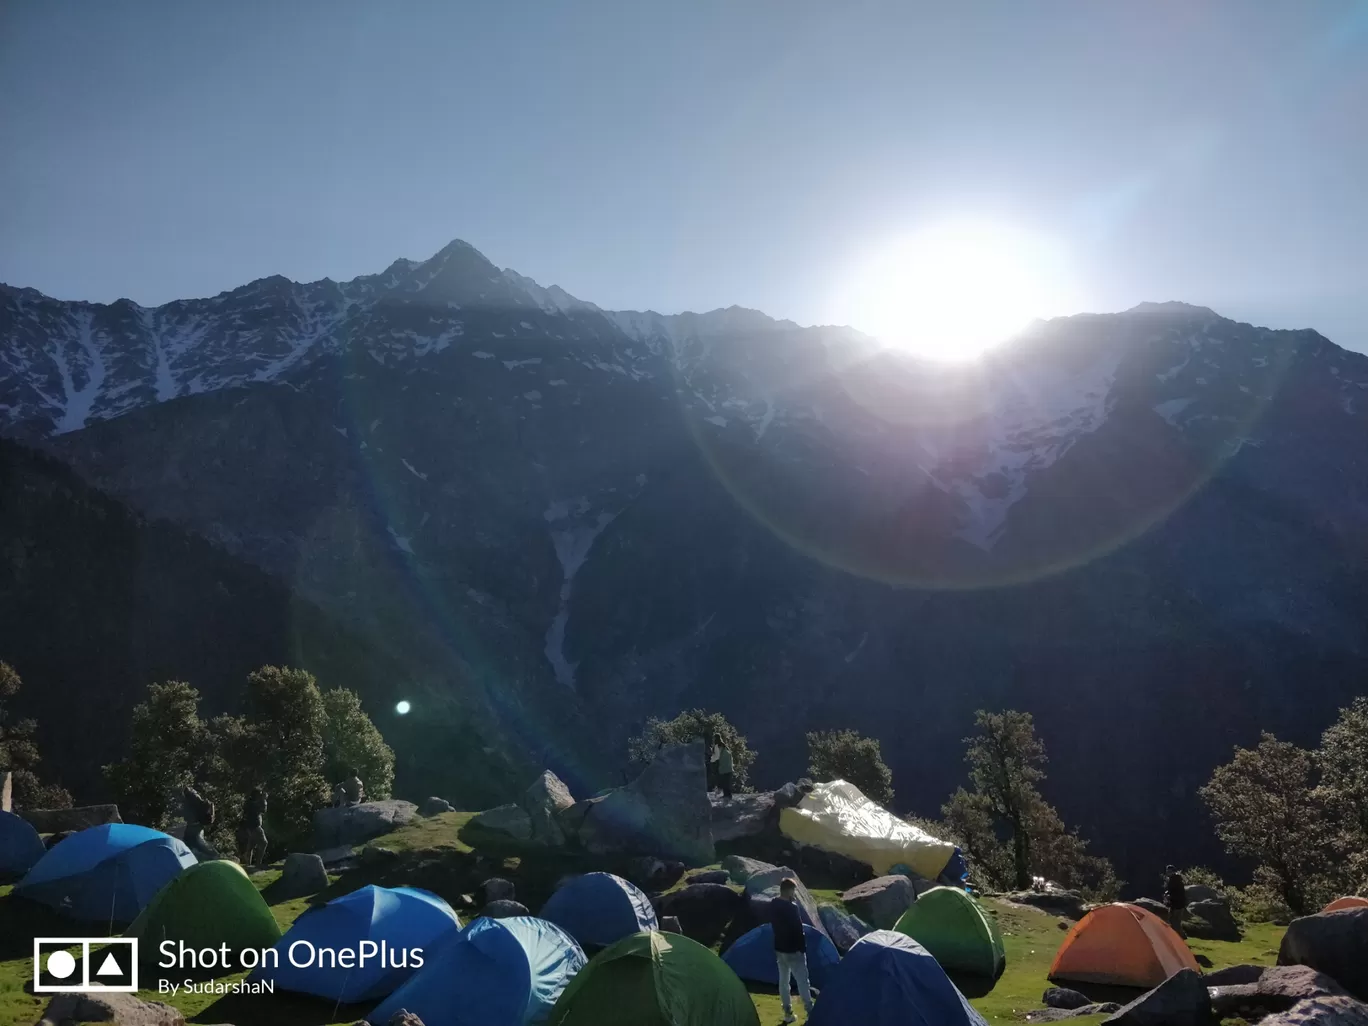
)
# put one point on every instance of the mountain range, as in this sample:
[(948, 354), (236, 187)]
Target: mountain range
[(542, 522)]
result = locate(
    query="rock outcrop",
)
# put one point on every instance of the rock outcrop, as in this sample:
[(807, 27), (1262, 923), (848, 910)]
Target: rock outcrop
[(120, 1009), (1211, 919), (881, 901), (1181, 1000), (1330, 1011), (1273, 989), (1065, 904), (543, 801), (303, 874), (510, 820), (435, 806), (743, 815), (356, 824), (843, 928), (741, 869), (1335, 943)]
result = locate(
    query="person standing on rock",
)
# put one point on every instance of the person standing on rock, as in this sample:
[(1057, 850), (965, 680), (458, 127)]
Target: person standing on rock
[(790, 947), (199, 817), (723, 757), (1175, 897), (252, 832)]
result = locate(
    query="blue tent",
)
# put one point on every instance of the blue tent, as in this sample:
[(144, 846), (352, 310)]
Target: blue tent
[(20, 845), (322, 952), (497, 972), (599, 909), (888, 979), (107, 872), (752, 956)]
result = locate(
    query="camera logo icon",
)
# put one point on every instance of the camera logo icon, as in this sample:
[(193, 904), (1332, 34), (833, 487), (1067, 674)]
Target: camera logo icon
[(85, 965)]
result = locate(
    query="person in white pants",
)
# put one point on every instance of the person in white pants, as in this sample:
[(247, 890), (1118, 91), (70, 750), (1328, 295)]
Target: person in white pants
[(790, 947)]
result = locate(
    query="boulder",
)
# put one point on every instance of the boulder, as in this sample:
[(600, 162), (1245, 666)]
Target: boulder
[(510, 820), (670, 924), (6, 791), (1201, 892), (1234, 975), (53, 821), (743, 815), (881, 901), (504, 908), (121, 1009), (703, 910), (1063, 997), (435, 807), (1276, 989), (1152, 905), (718, 876), (766, 885), (357, 824), (1336, 943), (303, 874), (1065, 904), (544, 801), (1211, 920), (843, 928), (741, 869), (1181, 1000), (832, 868), (1061, 1014), (653, 874), (496, 888), (664, 812), (789, 795), (376, 855), (1328, 1011)]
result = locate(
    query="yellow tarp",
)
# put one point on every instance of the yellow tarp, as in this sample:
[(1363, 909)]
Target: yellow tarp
[(838, 817)]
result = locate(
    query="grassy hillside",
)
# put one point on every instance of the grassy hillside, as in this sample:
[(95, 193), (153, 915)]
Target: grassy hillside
[(1031, 938)]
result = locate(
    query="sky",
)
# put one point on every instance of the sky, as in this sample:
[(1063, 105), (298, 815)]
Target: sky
[(672, 156)]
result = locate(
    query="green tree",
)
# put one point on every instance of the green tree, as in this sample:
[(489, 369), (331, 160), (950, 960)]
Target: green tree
[(1005, 760), (352, 744), (846, 755), (1343, 761), (1266, 807), (19, 753), (970, 817), (694, 725), (168, 748), (286, 720)]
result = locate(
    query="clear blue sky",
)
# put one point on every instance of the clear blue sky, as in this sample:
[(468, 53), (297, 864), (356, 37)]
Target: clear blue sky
[(691, 154)]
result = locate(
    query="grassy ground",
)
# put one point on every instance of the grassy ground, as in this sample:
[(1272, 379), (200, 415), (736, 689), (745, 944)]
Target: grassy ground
[(1030, 938)]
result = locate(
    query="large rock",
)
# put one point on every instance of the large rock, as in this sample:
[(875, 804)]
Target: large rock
[(743, 815), (435, 806), (496, 888), (1328, 1011), (303, 874), (1066, 904), (717, 876), (1211, 920), (6, 791), (1336, 943), (510, 820), (881, 901), (664, 812), (54, 821), (1234, 975), (121, 1009), (1274, 989), (544, 801), (766, 885), (356, 824), (504, 908), (1064, 997), (1201, 892), (1152, 905), (833, 868), (653, 874), (843, 928), (703, 910), (1181, 1000), (742, 869)]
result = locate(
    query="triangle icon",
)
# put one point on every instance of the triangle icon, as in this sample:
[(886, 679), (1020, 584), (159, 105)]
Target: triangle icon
[(109, 967)]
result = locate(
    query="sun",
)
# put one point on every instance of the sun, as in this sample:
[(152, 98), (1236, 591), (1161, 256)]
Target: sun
[(954, 289)]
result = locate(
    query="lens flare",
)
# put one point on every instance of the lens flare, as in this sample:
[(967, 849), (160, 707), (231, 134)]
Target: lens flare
[(402, 708)]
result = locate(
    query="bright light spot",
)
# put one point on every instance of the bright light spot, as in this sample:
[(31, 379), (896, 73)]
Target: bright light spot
[(951, 290), (61, 964), (402, 708)]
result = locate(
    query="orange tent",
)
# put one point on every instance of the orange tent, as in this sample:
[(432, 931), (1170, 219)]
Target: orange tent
[(1123, 945), (1340, 904)]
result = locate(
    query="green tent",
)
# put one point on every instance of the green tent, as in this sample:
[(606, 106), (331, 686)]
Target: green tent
[(955, 929), (655, 979), (209, 904)]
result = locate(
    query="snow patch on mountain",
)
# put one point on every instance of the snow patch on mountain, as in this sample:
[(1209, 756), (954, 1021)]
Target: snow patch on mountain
[(1171, 408), (572, 545)]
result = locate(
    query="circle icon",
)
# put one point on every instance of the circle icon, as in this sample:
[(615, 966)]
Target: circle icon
[(61, 964)]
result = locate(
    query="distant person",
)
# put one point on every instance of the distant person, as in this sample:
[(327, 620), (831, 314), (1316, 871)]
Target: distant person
[(1175, 897), (790, 947), (339, 795), (355, 792), (723, 757), (199, 817), (252, 831)]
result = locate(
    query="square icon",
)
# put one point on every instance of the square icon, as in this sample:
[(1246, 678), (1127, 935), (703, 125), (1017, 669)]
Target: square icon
[(58, 964), (112, 964), (85, 964)]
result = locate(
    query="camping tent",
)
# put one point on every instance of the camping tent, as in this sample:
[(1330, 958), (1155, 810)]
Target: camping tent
[(838, 817), (107, 872), (403, 918), (20, 845), (655, 979), (1121, 944), (498, 972), (208, 905), (599, 909), (956, 930), (888, 979), (752, 956), (1349, 901)]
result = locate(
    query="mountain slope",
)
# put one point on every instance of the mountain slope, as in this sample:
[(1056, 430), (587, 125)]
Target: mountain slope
[(1145, 527)]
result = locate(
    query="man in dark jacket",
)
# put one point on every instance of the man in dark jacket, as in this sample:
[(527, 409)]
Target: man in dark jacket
[(790, 947), (1175, 897)]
